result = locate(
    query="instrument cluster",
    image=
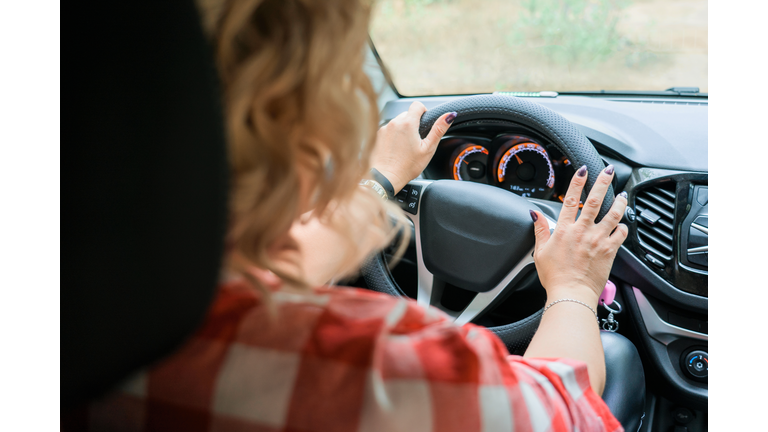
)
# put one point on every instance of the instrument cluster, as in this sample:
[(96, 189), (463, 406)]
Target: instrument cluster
[(521, 164)]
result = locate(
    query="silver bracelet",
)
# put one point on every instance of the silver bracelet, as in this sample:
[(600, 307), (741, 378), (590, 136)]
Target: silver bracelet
[(571, 300)]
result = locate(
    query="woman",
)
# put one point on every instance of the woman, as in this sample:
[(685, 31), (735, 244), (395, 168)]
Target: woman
[(276, 353)]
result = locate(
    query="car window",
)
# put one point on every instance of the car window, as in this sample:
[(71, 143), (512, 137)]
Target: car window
[(436, 47)]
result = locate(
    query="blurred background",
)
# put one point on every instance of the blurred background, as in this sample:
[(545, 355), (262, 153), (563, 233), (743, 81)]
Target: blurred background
[(477, 46)]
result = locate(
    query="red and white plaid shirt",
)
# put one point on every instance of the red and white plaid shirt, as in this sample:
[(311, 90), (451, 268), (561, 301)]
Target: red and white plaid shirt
[(342, 359)]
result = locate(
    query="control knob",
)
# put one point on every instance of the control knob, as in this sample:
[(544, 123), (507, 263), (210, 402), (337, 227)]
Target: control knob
[(696, 364)]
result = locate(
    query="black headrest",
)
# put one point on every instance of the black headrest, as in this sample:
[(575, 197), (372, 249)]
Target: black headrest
[(146, 187)]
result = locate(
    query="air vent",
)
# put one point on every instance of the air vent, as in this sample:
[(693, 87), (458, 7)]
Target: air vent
[(655, 208)]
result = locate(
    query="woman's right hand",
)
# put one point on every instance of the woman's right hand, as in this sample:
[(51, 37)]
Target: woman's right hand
[(400, 154), (576, 259)]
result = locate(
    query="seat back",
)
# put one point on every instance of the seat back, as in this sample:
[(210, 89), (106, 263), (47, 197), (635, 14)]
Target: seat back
[(146, 189)]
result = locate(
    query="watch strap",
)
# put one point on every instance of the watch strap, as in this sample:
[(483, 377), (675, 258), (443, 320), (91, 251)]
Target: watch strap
[(384, 182)]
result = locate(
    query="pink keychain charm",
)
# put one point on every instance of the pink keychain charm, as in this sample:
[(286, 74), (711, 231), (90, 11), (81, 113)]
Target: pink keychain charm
[(609, 293), (608, 299)]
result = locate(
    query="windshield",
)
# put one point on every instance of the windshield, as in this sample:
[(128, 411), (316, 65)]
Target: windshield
[(434, 47)]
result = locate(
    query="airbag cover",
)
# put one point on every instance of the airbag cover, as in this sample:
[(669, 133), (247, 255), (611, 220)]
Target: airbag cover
[(473, 234)]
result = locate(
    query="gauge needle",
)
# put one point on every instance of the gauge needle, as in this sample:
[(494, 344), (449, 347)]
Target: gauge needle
[(465, 161), (520, 161)]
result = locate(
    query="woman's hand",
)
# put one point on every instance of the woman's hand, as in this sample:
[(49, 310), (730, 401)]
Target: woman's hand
[(576, 259), (400, 153), (574, 263)]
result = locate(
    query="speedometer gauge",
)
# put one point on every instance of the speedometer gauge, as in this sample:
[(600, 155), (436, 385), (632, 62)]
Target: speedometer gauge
[(469, 163), (526, 170)]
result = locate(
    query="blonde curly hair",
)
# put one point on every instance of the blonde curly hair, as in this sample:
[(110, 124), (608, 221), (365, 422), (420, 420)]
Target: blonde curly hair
[(298, 105)]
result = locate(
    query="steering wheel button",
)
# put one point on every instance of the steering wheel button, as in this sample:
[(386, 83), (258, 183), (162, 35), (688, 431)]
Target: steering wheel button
[(411, 204), (415, 192)]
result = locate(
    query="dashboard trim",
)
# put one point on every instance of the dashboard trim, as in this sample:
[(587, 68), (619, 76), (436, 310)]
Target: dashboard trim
[(659, 329), (630, 269)]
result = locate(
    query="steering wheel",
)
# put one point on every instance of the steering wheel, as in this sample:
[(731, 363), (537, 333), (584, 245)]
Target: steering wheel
[(480, 237)]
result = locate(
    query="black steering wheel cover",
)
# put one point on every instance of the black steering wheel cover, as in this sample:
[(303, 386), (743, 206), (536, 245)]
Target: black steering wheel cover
[(561, 132), (378, 277), (516, 336)]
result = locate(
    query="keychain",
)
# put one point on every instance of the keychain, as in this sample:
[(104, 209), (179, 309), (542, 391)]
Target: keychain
[(608, 297), (609, 323)]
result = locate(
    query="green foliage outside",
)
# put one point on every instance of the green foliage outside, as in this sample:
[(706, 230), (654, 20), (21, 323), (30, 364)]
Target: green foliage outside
[(571, 32), (577, 33), (472, 46)]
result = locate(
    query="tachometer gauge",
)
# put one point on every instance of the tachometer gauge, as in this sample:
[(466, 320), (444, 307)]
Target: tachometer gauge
[(470, 162), (564, 172), (526, 170)]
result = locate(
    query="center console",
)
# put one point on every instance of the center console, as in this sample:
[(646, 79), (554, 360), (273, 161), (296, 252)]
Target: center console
[(663, 272)]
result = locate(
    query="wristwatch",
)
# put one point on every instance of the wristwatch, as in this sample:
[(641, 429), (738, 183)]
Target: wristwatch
[(384, 182), (376, 188)]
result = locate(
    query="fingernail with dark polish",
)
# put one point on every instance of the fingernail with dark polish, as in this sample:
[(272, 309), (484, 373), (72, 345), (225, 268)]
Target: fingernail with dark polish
[(450, 117), (609, 169), (534, 216), (582, 171), (623, 194)]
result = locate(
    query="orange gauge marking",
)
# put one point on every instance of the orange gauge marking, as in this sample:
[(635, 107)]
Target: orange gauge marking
[(501, 172), (460, 158)]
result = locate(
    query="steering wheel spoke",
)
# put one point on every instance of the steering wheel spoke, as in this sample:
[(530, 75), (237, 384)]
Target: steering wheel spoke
[(426, 279), (482, 301), (430, 288)]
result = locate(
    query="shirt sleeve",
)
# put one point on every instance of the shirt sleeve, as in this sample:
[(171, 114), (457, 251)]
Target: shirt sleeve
[(466, 379)]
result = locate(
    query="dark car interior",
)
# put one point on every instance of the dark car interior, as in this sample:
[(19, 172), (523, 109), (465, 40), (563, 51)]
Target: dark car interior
[(149, 188)]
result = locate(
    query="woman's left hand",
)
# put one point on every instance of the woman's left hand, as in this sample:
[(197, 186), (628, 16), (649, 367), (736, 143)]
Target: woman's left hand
[(400, 153)]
